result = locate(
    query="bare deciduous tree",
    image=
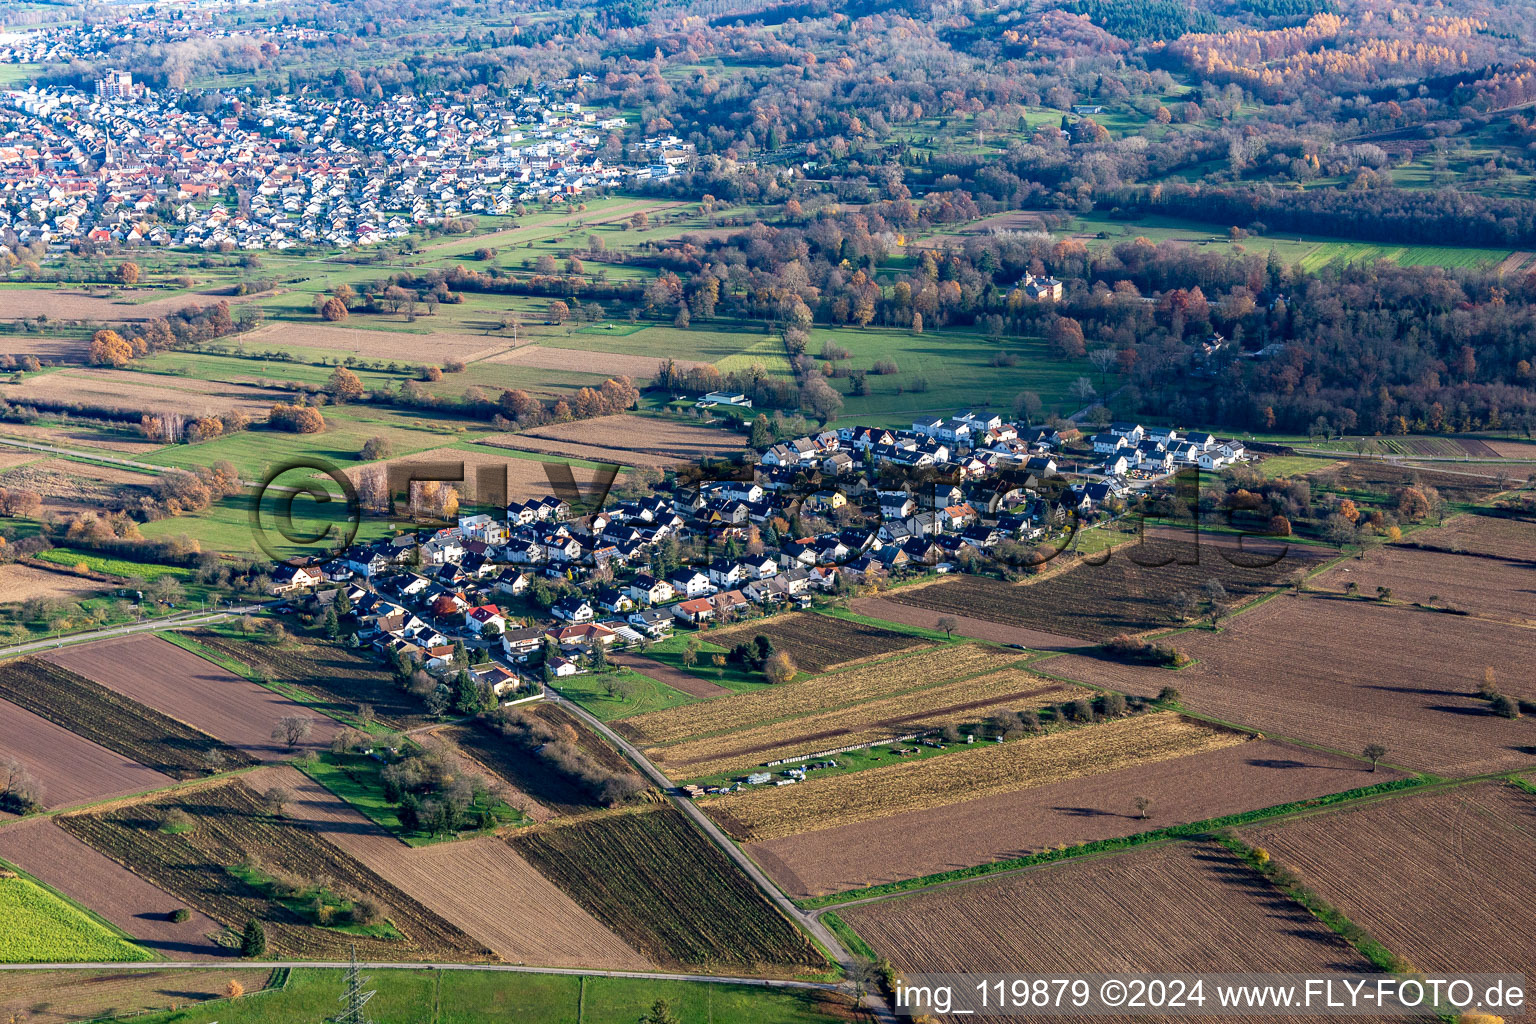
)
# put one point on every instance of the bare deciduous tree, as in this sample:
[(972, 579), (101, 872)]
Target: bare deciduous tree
[(292, 730)]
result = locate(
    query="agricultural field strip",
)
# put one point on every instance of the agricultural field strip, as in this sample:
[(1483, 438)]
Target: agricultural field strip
[(1260, 671), (764, 814), (1174, 908), (1409, 870), (112, 720), (883, 718), (1001, 833), (229, 825), (165, 676), (658, 883), (1094, 601), (821, 642), (529, 920), (54, 857), (870, 681), (319, 671)]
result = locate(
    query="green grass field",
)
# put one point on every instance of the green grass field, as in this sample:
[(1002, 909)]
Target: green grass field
[(633, 693), (486, 997), (39, 926), (113, 566), (611, 330), (731, 676), (707, 341), (225, 526), (1311, 252), (957, 368)]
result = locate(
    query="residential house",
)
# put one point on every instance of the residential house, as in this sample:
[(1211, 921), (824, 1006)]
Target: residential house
[(485, 617), (288, 579), (573, 609)]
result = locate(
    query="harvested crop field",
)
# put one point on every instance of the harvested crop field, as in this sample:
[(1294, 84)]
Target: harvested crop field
[(1522, 450), (68, 486), (526, 478), (966, 625), (655, 880), (1392, 675), (71, 769), (479, 884), (956, 703), (1445, 879), (337, 677), (72, 303), (198, 692), (638, 367), (44, 850), (552, 791), (1096, 602), (108, 718), (1487, 535), (10, 458), (819, 642), (20, 582), (984, 770), (81, 437), (230, 827), (1199, 787), (413, 349), (625, 439), (1181, 908), (140, 392), (850, 686), (63, 997), (1492, 588)]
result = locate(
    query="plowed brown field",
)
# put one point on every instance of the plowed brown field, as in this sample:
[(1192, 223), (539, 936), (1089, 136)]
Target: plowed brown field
[(1490, 587), (1445, 879), (1172, 909), (20, 582), (127, 390), (142, 910), (481, 885), (1127, 593), (980, 629), (1026, 821), (1513, 539), (819, 642), (198, 692), (72, 770), (1347, 673)]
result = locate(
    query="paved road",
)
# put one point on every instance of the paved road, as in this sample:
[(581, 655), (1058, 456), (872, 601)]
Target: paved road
[(148, 626)]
